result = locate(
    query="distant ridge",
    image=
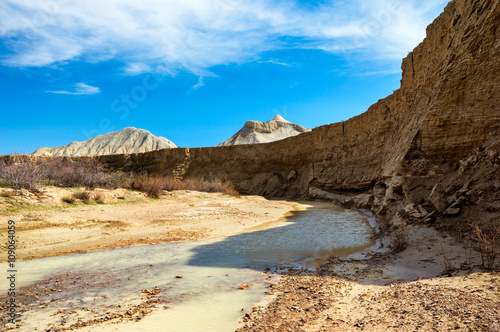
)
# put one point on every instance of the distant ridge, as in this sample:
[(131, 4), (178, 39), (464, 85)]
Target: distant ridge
[(126, 141), (254, 132)]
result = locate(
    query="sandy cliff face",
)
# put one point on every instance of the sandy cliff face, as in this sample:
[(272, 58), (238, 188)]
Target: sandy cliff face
[(254, 132), (128, 140), (441, 128)]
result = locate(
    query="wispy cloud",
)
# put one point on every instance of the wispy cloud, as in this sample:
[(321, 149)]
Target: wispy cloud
[(195, 35), (79, 89), (199, 84), (277, 62)]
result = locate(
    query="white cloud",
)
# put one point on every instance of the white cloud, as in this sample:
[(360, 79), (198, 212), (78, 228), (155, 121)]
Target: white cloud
[(79, 89), (195, 35), (276, 62), (199, 84)]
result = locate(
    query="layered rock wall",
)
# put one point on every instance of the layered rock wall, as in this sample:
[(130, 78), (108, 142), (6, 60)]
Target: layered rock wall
[(447, 110)]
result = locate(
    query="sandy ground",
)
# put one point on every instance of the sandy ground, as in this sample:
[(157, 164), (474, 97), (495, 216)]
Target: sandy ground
[(432, 285), (408, 291), (47, 226)]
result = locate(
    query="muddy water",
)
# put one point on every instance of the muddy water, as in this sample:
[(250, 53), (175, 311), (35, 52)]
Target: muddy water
[(208, 297)]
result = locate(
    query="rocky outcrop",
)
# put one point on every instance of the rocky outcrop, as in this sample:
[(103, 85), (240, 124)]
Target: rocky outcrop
[(440, 130), (125, 141), (263, 132)]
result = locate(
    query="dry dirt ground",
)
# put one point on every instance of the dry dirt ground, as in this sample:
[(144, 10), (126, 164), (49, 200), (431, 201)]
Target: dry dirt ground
[(414, 290), (47, 226), (432, 285)]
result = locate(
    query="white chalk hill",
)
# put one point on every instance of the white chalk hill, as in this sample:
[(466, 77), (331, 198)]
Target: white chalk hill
[(125, 141), (263, 132)]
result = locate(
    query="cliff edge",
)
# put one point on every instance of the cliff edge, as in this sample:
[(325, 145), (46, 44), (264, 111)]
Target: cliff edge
[(428, 152)]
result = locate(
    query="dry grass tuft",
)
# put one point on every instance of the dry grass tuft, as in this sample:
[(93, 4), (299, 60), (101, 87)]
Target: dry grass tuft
[(488, 245), (83, 196), (152, 186), (99, 198), (69, 200)]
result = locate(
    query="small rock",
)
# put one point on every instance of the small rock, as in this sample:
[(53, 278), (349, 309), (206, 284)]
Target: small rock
[(452, 212), (438, 198)]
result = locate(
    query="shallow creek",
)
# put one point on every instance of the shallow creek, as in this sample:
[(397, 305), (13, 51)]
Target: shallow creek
[(206, 285)]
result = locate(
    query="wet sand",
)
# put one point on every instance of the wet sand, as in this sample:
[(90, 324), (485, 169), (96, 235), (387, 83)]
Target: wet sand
[(407, 291), (46, 226), (434, 284)]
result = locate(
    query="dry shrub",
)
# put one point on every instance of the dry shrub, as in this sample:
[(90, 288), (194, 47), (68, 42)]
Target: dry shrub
[(24, 171), (20, 172), (69, 200), (488, 245), (82, 195), (7, 194), (117, 179), (209, 186), (152, 186), (78, 172), (99, 198)]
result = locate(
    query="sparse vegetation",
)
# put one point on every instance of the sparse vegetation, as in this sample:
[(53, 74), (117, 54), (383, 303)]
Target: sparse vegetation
[(23, 171), (7, 194), (448, 263), (83, 196), (69, 200), (488, 245), (20, 172), (153, 186), (99, 198)]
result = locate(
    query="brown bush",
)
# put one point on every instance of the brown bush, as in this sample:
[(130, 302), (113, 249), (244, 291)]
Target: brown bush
[(152, 186), (84, 196), (20, 172), (23, 171), (69, 173), (99, 198), (69, 200)]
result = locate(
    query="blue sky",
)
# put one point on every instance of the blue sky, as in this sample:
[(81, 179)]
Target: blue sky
[(194, 71)]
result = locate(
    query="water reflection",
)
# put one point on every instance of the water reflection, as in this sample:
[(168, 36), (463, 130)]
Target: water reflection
[(212, 271), (309, 236)]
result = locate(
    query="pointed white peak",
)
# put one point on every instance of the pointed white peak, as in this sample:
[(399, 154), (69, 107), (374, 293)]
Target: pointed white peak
[(263, 132), (280, 119)]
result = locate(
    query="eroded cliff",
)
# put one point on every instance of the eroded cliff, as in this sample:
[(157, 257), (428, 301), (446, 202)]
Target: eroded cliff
[(423, 144)]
